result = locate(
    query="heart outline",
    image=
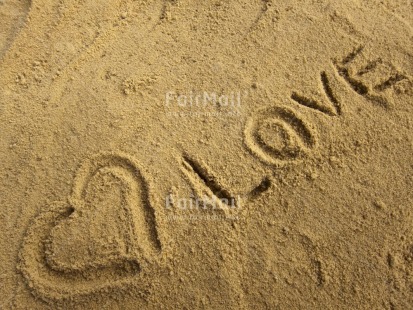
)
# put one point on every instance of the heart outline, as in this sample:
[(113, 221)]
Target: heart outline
[(54, 284)]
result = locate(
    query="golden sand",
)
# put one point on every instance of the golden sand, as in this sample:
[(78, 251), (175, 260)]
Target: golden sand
[(177, 154)]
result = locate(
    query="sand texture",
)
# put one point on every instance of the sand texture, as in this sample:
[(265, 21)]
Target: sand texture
[(188, 154)]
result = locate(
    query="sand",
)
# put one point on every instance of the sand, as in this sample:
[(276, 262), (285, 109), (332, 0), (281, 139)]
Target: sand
[(177, 154)]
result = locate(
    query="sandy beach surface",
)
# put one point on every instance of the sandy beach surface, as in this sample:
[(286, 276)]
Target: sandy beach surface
[(188, 154)]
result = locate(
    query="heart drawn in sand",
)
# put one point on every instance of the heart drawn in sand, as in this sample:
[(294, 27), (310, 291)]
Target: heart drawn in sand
[(67, 251)]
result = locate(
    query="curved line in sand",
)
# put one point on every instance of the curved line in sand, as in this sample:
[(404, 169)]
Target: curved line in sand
[(294, 125), (54, 284)]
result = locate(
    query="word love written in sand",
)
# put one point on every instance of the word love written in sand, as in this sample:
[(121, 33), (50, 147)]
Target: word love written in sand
[(277, 135)]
